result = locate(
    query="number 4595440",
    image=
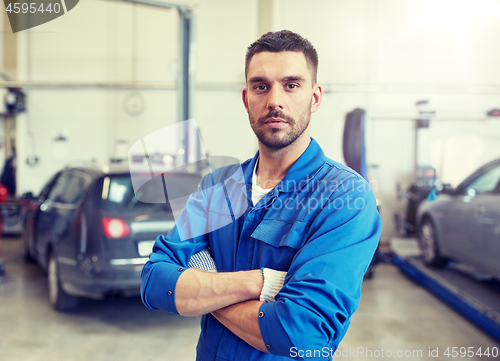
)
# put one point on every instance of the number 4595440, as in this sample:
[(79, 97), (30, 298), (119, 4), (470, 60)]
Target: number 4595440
[(471, 352), (32, 8)]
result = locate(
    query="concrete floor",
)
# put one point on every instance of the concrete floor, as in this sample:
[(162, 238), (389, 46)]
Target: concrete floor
[(394, 315)]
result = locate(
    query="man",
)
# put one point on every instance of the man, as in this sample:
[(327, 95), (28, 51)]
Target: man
[(306, 217)]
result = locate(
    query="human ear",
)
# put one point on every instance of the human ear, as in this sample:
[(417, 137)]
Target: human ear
[(316, 98), (244, 94)]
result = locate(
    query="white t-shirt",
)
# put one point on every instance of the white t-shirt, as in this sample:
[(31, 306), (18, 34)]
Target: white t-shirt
[(257, 191)]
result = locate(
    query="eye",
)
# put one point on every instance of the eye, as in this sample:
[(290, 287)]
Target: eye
[(260, 87), (292, 86)]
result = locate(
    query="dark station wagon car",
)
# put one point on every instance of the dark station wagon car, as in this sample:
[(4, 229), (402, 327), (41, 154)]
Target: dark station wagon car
[(90, 232)]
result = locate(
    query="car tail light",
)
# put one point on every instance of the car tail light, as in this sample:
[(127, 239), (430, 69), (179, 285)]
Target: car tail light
[(115, 228)]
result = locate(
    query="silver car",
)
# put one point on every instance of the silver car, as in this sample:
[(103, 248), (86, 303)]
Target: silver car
[(463, 223)]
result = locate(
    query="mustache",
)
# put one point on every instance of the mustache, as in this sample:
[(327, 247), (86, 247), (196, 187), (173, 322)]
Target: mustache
[(276, 114)]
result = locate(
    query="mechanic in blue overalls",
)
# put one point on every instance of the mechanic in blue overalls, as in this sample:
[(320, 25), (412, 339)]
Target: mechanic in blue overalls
[(271, 252)]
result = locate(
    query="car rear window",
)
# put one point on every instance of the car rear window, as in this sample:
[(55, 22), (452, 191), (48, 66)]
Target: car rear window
[(118, 192)]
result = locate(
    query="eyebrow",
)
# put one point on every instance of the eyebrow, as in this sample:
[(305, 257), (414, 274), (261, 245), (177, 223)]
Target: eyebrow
[(294, 78), (258, 79)]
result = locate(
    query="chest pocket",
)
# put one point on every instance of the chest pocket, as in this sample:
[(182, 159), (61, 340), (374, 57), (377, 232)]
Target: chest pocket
[(281, 234)]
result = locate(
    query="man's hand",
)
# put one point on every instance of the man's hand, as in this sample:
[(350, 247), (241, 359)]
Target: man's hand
[(232, 297), (199, 292)]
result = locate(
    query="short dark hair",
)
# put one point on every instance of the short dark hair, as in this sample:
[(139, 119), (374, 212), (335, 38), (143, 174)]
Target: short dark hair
[(284, 40)]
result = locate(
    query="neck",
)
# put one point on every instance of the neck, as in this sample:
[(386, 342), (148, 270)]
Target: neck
[(274, 164)]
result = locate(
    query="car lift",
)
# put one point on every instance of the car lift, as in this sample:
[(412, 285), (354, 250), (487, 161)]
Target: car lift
[(476, 300)]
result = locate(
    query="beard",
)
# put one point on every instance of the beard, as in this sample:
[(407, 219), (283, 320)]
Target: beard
[(279, 138)]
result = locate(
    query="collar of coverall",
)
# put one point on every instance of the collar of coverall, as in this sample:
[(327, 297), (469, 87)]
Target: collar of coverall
[(307, 164)]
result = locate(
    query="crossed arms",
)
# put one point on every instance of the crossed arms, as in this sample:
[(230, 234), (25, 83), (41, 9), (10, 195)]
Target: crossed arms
[(231, 297), (321, 291)]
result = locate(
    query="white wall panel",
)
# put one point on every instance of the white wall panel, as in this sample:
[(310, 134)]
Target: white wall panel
[(225, 29), (83, 123), (157, 44), (91, 43)]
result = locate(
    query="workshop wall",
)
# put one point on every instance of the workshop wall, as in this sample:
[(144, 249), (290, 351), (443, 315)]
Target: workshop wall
[(102, 43), (380, 55)]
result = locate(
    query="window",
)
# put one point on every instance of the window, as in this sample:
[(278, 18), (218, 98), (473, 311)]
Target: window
[(55, 194), (118, 193), (75, 189), (69, 189), (48, 187), (486, 183)]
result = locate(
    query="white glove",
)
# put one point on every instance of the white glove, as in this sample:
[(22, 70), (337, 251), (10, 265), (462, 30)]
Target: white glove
[(203, 260), (273, 282)]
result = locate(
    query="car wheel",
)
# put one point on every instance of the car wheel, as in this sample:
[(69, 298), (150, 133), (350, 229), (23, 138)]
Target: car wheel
[(429, 246), (59, 299)]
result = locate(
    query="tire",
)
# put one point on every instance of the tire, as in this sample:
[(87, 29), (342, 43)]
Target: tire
[(59, 299), (429, 245)]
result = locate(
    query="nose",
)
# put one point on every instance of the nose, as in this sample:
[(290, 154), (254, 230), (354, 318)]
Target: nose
[(275, 100)]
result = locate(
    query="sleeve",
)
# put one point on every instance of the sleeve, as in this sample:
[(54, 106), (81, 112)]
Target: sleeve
[(221, 190), (172, 253), (203, 260), (323, 285)]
